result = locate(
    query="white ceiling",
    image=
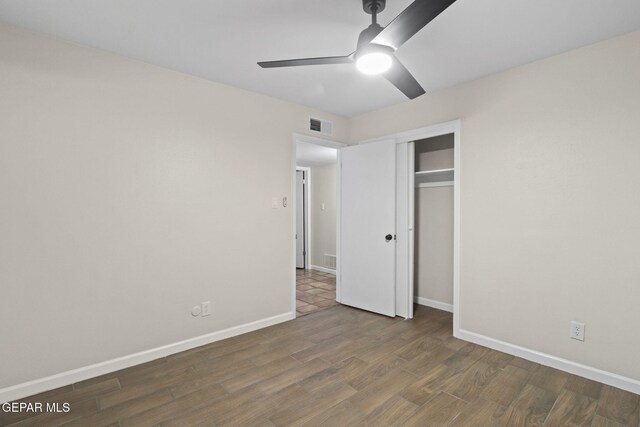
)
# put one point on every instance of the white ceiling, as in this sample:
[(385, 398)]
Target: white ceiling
[(222, 40), (309, 155)]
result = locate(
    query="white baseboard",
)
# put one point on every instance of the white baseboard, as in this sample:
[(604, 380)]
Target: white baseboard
[(323, 269), (581, 370), (30, 388), (434, 304)]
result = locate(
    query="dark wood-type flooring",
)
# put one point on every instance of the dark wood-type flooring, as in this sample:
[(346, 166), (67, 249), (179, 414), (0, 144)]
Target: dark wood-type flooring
[(341, 367)]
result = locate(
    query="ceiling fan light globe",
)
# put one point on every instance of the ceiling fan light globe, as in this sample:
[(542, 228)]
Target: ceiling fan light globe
[(373, 63)]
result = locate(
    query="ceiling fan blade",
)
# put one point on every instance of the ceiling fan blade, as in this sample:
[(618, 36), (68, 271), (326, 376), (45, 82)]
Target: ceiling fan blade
[(401, 78), (410, 21), (308, 61)]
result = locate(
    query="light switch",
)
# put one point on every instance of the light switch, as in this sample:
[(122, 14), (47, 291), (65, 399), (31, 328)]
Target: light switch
[(322, 206), (275, 203)]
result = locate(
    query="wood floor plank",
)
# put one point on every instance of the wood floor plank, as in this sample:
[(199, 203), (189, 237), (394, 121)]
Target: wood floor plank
[(124, 394), (257, 411), (262, 373), (572, 410), (599, 421), (125, 409), (396, 411), (424, 363), (619, 405), (317, 402), (381, 349), (324, 348), (497, 358), (584, 386), (344, 414), (470, 383), (202, 381), (222, 368), (158, 414), (343, 371), (430, 384), (204, 414), (417, 347), (549, 379), (530, 408), (519, 362), (481, 413), (506, 386), (374, 371), (287, 377), (379, 391), (467, 356), (438, 411)]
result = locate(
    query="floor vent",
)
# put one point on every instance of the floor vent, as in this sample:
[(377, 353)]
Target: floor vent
[(324, 127), (330, 261)]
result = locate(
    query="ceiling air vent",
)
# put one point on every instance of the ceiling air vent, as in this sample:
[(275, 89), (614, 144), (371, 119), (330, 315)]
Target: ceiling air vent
[(324, 127)]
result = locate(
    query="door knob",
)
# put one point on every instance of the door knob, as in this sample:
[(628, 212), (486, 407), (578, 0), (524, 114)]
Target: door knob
[(388, 237)]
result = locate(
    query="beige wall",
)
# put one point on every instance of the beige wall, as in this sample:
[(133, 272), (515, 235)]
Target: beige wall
[(130, 193), (433, 247), (549, 200), (323, 222)]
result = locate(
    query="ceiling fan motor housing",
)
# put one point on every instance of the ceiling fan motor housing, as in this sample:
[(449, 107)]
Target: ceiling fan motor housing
[(368, 34), (370, 5)]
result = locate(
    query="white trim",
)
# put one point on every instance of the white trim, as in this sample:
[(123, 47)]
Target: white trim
[(403, 229), (318, 141), (421, 133), (411, 182), (307, 220), (456, 222), (338, 229), (434, 304), (30, 388), (307, 214), (579, 369), (323, 269), (294, 263)]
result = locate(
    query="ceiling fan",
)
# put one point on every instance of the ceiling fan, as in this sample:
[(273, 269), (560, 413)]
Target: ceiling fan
[(376, 45)]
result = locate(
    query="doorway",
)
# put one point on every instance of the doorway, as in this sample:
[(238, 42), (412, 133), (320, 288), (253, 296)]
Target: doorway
[(315, 230)]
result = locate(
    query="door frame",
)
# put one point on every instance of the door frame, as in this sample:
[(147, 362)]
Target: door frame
[(297, 137), (306, 203), (451, 127)]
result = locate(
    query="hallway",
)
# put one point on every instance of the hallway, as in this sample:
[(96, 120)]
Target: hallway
[(315, 291)]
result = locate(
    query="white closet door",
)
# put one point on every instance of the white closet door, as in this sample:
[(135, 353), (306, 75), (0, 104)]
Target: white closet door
[(367, 226)]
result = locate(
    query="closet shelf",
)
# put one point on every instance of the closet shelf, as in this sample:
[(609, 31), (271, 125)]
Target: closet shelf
[(434, 178)]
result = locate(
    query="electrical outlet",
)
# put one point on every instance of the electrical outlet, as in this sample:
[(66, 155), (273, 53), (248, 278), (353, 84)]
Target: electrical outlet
[(577, 331), (206, 308)]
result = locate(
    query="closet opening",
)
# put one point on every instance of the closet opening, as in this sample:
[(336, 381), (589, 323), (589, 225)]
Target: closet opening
[(433, 211)]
